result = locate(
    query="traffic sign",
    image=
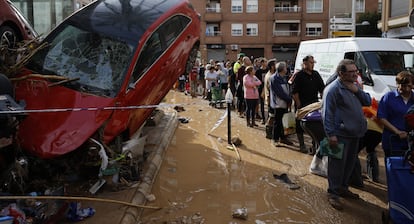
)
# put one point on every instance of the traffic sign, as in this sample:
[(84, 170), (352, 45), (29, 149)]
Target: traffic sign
[(341, 27), (342, 33), (341, 20)]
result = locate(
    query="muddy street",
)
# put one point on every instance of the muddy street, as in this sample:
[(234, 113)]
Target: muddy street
[(202, 180)]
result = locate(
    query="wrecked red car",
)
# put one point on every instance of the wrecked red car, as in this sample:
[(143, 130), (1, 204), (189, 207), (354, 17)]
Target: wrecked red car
[(121, 55)]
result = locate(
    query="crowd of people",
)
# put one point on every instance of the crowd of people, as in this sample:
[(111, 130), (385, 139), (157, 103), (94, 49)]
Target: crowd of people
[(343, 106)]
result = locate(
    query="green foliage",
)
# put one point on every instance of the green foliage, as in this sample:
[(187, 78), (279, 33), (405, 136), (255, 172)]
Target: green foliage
[(370, 30)]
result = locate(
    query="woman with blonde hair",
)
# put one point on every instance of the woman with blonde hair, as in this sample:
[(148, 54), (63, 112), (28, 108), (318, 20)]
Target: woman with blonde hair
[(251, 95)]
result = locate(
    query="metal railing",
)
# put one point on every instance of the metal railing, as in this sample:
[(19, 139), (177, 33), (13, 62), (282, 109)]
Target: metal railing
[(213, 10), (213, 34), (286, 33), (287, 9)]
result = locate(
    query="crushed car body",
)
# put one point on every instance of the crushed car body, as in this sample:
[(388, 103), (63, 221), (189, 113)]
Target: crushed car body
[(109, 54)]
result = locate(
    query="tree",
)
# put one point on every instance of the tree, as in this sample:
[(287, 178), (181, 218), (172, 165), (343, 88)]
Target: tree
[(370, 30)]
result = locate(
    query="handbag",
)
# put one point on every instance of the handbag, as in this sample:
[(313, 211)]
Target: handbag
[(289, 123)]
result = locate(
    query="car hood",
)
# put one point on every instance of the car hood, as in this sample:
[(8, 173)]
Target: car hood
[(49, 133)]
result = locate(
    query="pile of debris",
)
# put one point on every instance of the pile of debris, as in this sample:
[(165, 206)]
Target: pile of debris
[(32, 188)]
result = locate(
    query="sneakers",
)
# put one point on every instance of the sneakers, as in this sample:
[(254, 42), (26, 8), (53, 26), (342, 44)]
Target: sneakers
[(349, 194), (335, 202)]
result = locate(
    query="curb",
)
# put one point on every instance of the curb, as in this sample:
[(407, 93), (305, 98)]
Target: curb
[(162, 135)]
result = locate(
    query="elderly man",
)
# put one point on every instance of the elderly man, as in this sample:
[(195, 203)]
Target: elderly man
[(344, 123)]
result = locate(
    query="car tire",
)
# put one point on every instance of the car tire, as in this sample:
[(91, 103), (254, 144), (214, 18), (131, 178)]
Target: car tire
[(8, 36)]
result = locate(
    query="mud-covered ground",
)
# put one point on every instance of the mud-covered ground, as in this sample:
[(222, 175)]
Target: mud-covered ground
[(202, 180)]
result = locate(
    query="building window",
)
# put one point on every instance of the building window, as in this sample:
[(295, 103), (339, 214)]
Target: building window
[(314, 6), (213, 6), (359, 5), (237, 29), (314, 29), (252, 6), (212, 30), (399, 8), (236, 6), (251, 29)]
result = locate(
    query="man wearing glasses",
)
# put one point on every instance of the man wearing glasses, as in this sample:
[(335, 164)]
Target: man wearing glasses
[(344, 123)]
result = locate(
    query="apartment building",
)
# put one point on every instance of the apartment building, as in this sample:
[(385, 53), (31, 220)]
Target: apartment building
[(270, 28), (395, 19)]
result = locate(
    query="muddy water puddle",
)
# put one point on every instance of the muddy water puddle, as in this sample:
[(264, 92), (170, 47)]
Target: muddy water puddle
[(202, 180)]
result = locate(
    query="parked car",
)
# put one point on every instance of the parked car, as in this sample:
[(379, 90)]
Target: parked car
[(109, 54), (13, 25)]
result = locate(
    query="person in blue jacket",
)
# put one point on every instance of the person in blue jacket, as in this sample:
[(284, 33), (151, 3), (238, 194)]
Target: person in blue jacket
[(344, 122), (280, 101), (391, 110)]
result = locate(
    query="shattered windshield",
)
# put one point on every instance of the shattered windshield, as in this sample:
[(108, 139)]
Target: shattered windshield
[(385, 62), (98, 63)]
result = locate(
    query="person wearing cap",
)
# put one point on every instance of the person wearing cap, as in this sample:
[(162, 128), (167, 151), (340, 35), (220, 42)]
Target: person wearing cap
[(238, 63), (305, 88)]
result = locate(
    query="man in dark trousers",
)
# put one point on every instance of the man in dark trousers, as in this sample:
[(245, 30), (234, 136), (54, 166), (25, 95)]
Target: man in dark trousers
[(344, 124), (305, 88)]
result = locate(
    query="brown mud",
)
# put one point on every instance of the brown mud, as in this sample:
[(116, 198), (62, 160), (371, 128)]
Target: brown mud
[(203, 180)]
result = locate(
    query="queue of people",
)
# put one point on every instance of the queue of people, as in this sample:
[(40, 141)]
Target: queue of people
[(270, 84)]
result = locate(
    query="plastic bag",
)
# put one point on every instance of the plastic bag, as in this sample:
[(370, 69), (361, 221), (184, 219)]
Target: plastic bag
[(319, 165), (289, 123)]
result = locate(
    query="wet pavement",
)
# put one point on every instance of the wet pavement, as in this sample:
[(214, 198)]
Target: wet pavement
[(202, 180), (193, 176)]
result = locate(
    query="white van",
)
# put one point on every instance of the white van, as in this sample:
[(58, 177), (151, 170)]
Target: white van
[(379, 59)]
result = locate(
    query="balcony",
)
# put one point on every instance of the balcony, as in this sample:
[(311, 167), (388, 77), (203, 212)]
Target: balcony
[(286, 33), (213, 15), (286, 36), (286, 13), (213, 37), (283, 9)]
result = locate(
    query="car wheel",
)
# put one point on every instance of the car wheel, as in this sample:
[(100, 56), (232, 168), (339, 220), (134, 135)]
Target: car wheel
[(8, 36), (191, 59)]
